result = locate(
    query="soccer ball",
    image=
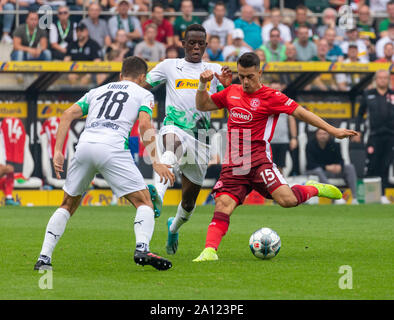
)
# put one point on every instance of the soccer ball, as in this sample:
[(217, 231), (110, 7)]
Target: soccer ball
[(264, 243)]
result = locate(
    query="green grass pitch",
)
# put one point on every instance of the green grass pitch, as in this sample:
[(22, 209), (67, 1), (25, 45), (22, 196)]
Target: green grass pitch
[(93, 260)]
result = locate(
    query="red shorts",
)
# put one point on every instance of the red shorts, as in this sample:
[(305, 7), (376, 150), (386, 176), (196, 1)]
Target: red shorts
[(264, 178)]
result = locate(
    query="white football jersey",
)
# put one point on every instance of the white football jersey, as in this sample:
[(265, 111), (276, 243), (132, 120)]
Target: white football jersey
[(112, 110), (182, 78)]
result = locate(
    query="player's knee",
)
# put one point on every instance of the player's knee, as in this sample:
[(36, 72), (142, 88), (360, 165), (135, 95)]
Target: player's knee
[(188, 205)]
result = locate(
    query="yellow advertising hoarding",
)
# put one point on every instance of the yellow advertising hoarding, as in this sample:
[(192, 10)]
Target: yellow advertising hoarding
[(13, 109)]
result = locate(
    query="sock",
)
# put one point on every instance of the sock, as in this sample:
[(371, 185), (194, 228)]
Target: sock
[(144, 224), (217, 229), (304, 193), (168, 157), (55, 228), (181, 217), (9, 185)]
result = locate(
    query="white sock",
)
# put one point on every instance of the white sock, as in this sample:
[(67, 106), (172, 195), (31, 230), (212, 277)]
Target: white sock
[(168, 157), (181, 217), (55, 228), (144, 225)]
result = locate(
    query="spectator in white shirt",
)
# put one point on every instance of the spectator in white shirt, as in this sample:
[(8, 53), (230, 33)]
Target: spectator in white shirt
[(219, 25), (122, 21), (353, 37), (382, 42), (237, 49), (276, 17)]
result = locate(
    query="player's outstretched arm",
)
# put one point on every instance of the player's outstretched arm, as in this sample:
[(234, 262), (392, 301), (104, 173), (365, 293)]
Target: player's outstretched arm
[(203, 100), (71, 114), (304, 115), (148, 135)]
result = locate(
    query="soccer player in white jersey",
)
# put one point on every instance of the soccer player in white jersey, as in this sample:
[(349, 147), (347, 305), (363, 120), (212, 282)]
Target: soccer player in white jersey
[(111, 112), (183, 137)]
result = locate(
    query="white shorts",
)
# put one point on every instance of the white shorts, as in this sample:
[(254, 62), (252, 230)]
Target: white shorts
[(194, 162), (115, 165)]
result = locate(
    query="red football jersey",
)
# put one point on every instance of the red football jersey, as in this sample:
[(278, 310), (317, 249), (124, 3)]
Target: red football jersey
[(251, 123)]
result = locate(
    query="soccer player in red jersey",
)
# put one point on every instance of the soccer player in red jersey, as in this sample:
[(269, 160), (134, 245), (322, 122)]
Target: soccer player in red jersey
[(253, 112)]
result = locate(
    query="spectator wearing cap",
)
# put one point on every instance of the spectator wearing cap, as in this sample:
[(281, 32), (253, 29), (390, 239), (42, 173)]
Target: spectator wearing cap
[(183, 21), (98, 28), (275, 22), (61, 33), (150, 49), (30, 41), (219, 25), (274, 50), (123, 21), (234, 51), (214, 50), (165, 31), (334, 53), (301, 20), (330, 22), (84, 48), (347, 81), (252, 31), (384, 24), (387, 39), (353, 37), (306, 48)]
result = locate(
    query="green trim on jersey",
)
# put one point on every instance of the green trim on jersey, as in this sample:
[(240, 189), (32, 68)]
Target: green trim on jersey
[(146, 109), (149, 81), (84, 105), (178, 118), (219, 88)]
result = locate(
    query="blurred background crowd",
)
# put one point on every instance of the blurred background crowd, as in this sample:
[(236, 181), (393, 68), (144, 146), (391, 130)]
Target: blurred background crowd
[(301, 30)]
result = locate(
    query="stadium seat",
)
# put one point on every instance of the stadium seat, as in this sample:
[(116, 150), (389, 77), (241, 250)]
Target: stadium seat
[(47, 139), (15, 150)]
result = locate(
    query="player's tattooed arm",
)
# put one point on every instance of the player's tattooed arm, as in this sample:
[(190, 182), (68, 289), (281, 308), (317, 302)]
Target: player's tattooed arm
[(304, 115), (71, 114), (203, 100), (148, 136)]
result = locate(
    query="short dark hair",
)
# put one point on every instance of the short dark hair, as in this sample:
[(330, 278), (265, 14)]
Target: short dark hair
[(157, 5), (249, 59), (215, 36), (133, 67), (275, 29), (220, 3), (31, 11), (195, 27), (301, 7)]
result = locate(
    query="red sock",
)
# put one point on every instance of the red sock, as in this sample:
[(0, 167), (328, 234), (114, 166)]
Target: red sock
[(217, 229), (304, 193), (9, 184)]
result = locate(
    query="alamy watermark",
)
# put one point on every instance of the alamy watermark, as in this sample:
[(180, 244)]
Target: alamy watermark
[(345, 281), (46, 280)]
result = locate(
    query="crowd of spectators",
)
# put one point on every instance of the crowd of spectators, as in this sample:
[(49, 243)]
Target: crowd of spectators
[(142, 28)]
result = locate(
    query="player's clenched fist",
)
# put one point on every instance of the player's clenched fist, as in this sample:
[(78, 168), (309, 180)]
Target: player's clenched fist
[(206, 76)]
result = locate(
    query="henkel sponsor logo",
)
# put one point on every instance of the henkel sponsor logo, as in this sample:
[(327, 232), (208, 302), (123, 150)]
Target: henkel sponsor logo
[(240, 115)]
